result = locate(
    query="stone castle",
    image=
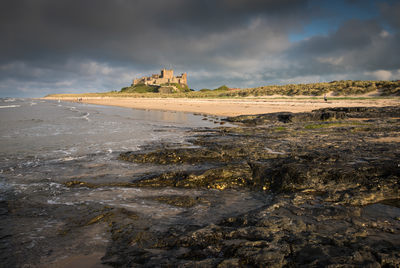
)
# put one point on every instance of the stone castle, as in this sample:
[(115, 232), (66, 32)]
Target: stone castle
[(166, 76)]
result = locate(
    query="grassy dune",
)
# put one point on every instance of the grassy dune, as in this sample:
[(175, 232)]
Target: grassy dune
[(338, 89)]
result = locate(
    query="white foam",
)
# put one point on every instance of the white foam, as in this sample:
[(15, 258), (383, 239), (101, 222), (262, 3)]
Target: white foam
[(271, 151), (55, 184), (69, 158), (9, 106), (55, 202), (86, 117)]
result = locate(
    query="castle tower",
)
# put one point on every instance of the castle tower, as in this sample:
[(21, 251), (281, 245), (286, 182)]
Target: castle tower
[(184, 79), (168, 74)]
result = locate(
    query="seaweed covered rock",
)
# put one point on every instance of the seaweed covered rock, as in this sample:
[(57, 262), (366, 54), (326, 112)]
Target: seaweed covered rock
[(329, 181), (284, 233), (318, 115), (231, 176), (353, 159)]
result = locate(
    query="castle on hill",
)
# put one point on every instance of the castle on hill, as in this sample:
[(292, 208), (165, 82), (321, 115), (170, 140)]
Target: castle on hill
[(166, 76)]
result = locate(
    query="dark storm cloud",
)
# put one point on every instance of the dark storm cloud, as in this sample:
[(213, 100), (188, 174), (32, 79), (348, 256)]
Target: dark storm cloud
[(74, 46), (352, 35), (141, 30), (49, 41)]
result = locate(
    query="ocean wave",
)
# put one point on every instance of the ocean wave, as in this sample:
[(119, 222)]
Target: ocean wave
[(56, 202), (10, 106), (83, 116), (71, 158), (86, 116)]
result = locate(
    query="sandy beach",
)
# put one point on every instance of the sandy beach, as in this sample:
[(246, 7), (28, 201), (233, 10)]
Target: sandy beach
[(234, 107)]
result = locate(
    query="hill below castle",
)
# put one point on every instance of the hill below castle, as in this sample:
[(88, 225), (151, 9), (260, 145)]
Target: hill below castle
[(163, 88)]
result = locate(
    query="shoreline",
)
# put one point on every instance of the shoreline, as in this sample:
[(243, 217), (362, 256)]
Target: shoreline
[(233, 107)]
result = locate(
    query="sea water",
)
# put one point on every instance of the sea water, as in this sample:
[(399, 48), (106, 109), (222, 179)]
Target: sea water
[(45, 143)]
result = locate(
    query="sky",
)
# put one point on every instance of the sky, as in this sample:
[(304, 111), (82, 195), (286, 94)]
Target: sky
[(75, 46)]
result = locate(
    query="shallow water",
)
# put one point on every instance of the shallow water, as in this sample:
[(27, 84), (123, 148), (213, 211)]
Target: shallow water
[(47, 140), (47, 143)]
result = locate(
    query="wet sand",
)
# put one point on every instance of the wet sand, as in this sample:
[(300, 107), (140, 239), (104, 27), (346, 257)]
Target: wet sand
[(234, 107), (80, 261)]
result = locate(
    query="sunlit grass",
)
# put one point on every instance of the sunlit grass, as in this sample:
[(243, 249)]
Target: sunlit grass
[(280, 129), (341, 90)]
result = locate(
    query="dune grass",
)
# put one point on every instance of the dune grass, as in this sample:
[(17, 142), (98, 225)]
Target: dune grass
[(341, 90)]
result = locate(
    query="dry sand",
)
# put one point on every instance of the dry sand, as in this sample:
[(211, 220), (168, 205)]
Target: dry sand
[(233, 107)]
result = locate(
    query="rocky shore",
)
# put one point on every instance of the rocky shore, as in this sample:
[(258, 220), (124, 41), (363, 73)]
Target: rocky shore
[(329, 180)]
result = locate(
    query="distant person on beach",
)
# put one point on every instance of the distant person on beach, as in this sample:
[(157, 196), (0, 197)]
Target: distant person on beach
[(325, 98)]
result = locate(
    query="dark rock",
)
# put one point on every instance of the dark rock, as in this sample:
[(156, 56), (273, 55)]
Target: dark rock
[(178, 201), (321, 114), (332, 175), (231, 176)]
